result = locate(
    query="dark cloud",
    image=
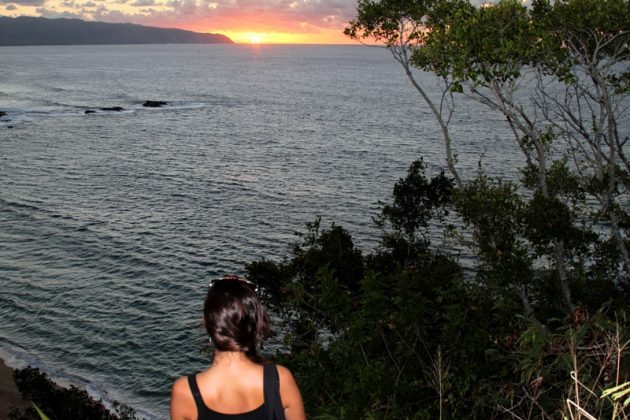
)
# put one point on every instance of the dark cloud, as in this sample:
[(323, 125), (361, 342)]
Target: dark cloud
[(304, 16), (25, 2), (53, 13), (116, 16), (143, 3)]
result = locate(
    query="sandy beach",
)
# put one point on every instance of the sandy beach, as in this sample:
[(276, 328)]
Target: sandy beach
[(9, 396)]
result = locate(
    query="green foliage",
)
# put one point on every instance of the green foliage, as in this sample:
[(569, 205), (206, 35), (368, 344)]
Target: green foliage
[(550, 249), (490, 44), (495, 210), (385, 347), (61, 403), (479, 44), (586, 345), (560, 180), (380, 20), (548, 220), (572, 24), (418, 341), (400, 332), (317, 286), (417, 200)]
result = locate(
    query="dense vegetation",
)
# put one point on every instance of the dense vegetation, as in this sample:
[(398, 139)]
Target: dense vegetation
[(541, 327), (59, 403)]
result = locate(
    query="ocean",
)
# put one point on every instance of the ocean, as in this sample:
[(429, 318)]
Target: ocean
[(113, 223)]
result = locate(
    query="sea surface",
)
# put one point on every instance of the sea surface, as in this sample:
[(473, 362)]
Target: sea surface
[(112, 223)]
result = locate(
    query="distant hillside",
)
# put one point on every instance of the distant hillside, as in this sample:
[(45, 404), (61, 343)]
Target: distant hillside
[(41, 31)]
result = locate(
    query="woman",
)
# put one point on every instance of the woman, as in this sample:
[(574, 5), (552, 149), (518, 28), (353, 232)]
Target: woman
[(235, 385)]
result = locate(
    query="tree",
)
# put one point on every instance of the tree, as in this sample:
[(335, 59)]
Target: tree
[(558, 72), (401, 333), (401, 27)]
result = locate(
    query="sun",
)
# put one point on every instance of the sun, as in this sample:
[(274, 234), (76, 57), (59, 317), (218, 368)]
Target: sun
[(255, 39)]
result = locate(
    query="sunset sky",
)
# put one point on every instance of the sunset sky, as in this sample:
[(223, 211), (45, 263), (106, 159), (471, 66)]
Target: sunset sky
[(244, 21)]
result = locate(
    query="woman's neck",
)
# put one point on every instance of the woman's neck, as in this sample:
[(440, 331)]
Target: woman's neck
[(230, 358)]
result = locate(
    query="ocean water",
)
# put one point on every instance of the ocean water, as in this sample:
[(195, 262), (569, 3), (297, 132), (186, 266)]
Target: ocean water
[(112, 223)]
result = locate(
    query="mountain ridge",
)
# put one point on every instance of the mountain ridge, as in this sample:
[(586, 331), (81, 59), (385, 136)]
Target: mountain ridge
[(26, 30)]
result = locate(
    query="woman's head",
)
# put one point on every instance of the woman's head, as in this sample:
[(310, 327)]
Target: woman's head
[(234, 317)]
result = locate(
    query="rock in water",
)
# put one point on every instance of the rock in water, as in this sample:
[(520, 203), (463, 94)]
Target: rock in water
[(154, 104), (90, 111), (113, 108)]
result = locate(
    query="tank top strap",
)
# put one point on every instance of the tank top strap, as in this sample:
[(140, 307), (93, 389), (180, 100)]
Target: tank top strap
[(271, 385), (194, 388), (268, 383)]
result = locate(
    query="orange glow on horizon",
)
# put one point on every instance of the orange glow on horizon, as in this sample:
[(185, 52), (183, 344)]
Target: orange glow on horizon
[(271, 28), (248, 37)]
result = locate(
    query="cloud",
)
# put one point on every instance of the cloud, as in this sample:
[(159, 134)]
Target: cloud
[(54, 13), (25, 2), (143, 3), (287, 16), (10, 7), (303, 16), (116, 16)]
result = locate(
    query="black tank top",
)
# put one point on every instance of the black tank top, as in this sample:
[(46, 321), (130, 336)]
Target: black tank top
[(206, 413)]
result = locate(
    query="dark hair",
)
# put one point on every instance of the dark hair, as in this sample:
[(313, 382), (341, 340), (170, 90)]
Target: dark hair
[(235, 319)]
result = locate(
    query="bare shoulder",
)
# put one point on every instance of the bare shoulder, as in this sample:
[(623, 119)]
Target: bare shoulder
[(182, 400), (285, 374), (181, 388), (287, 381), (290, 395)]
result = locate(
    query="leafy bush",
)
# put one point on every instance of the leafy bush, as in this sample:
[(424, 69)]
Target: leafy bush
[(401, 332)]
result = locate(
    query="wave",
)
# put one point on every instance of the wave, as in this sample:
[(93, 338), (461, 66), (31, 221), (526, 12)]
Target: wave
[(14, 205)]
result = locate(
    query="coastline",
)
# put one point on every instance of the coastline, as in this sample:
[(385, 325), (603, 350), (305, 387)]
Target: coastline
[(10, 398)]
